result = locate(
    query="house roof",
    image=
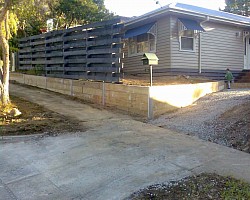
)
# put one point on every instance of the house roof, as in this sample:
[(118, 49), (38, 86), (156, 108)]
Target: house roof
[(194, 11)]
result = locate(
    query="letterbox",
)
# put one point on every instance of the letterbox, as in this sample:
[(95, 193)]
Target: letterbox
[(150, 59)]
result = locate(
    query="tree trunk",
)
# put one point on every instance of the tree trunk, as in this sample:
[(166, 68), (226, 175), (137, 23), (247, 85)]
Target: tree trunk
[(4, 70)]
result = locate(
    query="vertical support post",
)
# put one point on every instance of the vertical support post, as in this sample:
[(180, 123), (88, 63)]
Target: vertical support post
[(13, 62), (17, 60), (71, 87), (150, 104), (151, 75), (103, 93), (86, 55), (46, 82), (63, 55), (45, 55)]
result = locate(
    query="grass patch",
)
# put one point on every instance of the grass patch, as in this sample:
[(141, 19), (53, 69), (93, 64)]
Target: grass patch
[(204, 186)]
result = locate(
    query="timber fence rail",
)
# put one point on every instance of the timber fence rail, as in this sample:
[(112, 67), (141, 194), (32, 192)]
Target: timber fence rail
[(92, 51)]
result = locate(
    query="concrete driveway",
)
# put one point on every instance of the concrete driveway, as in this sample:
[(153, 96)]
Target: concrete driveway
[(115, 157)]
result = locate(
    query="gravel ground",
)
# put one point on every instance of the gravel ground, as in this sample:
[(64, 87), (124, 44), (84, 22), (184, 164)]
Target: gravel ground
[(204, 117)]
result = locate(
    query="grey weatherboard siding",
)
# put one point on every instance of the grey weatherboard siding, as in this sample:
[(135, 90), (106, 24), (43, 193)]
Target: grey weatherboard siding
[(133, 64), (220, 48)]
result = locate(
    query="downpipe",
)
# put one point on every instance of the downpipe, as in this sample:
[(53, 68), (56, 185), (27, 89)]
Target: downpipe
[(199, 44)]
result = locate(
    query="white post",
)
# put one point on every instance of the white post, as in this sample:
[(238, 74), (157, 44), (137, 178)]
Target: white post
[(151, 75), (150, 104), (13, 62)]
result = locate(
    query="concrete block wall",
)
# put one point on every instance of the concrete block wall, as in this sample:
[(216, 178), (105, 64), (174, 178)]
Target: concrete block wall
[(88, 91), (132, 99), (148, 102), (240, 85)]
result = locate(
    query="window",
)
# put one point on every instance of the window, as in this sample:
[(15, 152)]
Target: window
[(187, 43), (187, 40), (141, 44)]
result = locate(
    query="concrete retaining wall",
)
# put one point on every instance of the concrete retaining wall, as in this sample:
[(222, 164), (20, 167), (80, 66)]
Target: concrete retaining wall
[(140, 100), (168, 98)]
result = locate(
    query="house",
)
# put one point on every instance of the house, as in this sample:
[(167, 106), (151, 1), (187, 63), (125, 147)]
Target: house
[(188, 38)]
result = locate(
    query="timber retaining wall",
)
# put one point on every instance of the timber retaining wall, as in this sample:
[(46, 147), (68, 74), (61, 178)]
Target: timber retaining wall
[(145, 101)]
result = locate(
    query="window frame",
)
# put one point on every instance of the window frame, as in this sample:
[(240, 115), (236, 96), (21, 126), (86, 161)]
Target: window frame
[(151, 39), (144, 44), (187, 50), (185, 33)]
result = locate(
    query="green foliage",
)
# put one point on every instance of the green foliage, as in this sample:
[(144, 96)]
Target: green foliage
[(32, 16), (12, 23), (78, 12), (13, 42), (240, 7), (237, 190)]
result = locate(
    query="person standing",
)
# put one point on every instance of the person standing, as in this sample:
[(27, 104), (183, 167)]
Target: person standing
[(229, 78)]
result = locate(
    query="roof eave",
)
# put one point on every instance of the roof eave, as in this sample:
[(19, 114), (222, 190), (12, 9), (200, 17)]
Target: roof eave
[(146, 16), (185, 12), (211, 17)]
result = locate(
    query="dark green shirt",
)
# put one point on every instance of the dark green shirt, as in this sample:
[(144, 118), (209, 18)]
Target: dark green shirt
[(229, 76)]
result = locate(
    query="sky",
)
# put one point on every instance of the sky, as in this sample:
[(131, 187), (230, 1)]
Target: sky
[(129, 8)]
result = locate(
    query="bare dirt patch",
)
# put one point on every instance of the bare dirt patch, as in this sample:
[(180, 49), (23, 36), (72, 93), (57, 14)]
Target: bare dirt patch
[(36, 119), (202, 187), (171, 80)]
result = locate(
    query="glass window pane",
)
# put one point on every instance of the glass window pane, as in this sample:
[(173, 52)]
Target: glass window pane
[(188, 33), (132, 47), (142, 38), (187, 43), (152, 45), (139, 48)]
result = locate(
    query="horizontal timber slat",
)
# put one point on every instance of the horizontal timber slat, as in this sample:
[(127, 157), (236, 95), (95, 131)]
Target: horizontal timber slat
[(25, 56), (75, 37), (74, 53), (54, 54), (69, 46), (97, 24), (89, 51), (59, 39), (75, 61), (53, 48), (91, 69), (37, 43)]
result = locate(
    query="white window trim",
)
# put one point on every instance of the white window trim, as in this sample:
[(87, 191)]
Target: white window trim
[(186, 50)]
